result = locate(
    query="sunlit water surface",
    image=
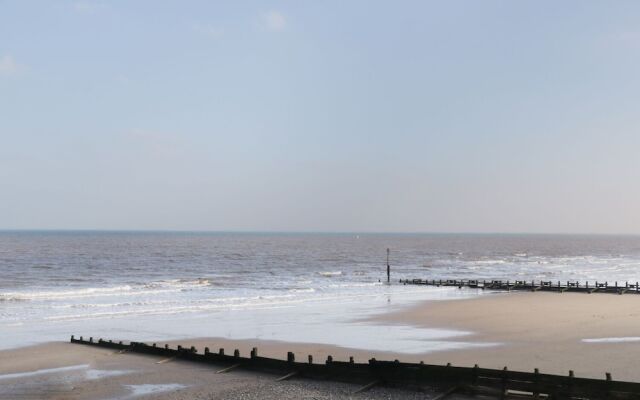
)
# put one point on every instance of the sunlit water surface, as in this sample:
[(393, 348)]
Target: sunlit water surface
[(292, 287)]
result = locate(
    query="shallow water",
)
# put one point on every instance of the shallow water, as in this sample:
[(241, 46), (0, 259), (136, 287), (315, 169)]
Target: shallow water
[(43, 383), (147, 389), (294, 287), (625, 339), (47, 371)]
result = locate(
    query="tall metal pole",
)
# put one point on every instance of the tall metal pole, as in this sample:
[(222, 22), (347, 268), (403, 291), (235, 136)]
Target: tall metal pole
[(388, 268)]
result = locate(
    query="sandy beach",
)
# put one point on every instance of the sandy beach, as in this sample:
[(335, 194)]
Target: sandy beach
[(331, 179), (539, 330), (67, 371), (535, 330)]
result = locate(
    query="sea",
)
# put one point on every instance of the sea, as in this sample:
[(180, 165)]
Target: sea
[(295, 287)]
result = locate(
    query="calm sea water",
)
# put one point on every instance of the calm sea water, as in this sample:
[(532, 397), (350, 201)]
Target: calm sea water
[(270, 286)]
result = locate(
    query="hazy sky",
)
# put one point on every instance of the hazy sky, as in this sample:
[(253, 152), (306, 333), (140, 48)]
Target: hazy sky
[(479, 116)]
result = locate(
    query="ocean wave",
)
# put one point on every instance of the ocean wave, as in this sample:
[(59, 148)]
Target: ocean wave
[(179, 283), (489, 262), (158, 287), (181, 309), (42, 267), (355, 284), (305, 290), (8, 297), (330, 273), (63, 294), (211, 305), (110, 305)]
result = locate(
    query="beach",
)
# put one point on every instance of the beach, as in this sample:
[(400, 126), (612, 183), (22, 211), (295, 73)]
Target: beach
[(336, 200), (311, 294), (589, 334)]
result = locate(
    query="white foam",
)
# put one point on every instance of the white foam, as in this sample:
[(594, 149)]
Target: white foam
[(96, 374), (307, 290), (167, 286), (239, 303), (44, 372), (355, 285), (489, 262), (625, 339), (145, 389), (330, 273)]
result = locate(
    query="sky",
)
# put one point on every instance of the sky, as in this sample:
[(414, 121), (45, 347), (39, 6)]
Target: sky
[(358, 116)]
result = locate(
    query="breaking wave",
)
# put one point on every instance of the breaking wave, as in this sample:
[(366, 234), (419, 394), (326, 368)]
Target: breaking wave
[(167, 286), (330, 273)]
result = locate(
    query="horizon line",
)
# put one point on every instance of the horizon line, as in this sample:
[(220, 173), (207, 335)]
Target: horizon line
[(306, 232)]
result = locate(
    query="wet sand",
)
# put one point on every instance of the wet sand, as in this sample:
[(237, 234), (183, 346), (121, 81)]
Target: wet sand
[(538, 330), (532, 330), (70, 371), (543, 330)]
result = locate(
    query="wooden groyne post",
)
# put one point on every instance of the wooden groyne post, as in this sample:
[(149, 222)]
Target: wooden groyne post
[(497, 383), (388, 267), (534, 286)]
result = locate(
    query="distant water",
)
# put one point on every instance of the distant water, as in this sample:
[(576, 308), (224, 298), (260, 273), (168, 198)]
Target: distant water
[(148, 285)]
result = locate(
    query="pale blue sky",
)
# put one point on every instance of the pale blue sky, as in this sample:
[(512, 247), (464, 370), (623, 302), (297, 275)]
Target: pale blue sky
[(455, 116)]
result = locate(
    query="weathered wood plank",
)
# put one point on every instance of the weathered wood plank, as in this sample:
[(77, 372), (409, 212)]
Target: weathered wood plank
[(394, 373)]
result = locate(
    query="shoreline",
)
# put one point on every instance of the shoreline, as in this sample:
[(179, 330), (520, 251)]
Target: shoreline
[(535, 330)]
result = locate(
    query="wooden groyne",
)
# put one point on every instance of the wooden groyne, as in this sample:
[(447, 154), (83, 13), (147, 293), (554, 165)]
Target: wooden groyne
[(445, 378), (533, 285)]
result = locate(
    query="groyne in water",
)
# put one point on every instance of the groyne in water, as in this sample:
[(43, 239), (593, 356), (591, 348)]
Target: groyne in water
[(534, 286), (445, 378)]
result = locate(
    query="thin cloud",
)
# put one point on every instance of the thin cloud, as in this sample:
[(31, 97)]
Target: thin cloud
[(8, 65), (275, 21)]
